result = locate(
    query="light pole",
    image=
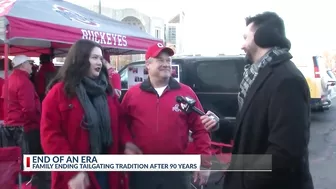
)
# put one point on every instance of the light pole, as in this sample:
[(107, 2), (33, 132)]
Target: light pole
[(99, 6), (165, 35)]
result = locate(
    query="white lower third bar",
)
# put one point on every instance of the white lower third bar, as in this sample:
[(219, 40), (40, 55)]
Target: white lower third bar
[(238, 170)]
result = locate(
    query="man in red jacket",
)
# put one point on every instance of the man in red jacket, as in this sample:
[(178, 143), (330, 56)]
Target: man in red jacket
[(158, 126), (46, 72), (23, 106)]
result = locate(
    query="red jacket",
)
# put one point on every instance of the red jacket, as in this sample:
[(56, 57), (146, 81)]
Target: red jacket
[(156, 123), (42, 77), (114, 78), (2, 82), (23, 106), (61, 133)]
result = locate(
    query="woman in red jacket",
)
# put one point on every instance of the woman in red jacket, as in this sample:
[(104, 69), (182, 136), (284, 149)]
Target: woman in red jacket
[(80, 115)]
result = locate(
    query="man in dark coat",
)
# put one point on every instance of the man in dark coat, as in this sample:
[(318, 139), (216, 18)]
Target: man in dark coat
[(272, 131)]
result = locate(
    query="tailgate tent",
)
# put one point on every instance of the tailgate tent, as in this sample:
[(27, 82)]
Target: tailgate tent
[(33, 27)]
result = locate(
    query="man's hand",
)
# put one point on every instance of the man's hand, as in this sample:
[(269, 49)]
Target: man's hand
[(209, 120), (80, 181), (201, 176), (131, 148)]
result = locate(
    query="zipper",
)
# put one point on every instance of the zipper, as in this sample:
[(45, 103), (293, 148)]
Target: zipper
[(157, 114), (158, 109)]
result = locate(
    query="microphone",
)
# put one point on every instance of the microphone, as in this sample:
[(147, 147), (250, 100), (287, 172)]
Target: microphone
[(187, 105)]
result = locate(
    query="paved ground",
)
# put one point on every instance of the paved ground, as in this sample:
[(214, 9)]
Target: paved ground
[(322, 149)]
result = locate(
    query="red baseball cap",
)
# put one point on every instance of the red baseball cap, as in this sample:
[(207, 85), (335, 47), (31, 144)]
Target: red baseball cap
[(155, 50)]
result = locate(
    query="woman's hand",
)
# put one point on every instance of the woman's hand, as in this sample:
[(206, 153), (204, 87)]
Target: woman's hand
[(131, 148), (202, 177), (107, 64), (80, 181)]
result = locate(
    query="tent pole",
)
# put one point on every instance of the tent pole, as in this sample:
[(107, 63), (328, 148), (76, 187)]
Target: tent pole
[(117, 62), (6, 60)]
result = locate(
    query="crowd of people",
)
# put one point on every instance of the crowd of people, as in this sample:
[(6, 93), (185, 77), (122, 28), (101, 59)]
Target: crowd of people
[(81, 113), (21, 98)]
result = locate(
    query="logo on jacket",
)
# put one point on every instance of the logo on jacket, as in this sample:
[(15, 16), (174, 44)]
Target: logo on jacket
[(74, 16), (176, 108)]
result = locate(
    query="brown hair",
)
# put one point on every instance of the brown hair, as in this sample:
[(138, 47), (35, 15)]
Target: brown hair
[(76, 66)]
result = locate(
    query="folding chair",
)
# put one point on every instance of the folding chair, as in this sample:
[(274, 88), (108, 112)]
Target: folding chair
[(217, 152), (10, 167)]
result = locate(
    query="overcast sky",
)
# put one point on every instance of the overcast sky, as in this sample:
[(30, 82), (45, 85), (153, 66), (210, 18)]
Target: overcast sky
[(216, 26)]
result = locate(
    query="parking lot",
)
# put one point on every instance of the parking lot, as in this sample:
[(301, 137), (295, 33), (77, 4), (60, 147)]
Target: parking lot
[(323, 148)]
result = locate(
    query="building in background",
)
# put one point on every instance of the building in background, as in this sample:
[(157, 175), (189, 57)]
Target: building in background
[(151, 25), (174, 33), (171, 32)]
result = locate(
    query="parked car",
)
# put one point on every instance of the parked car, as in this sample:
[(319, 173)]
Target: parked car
[(215, 80), (317, 78)]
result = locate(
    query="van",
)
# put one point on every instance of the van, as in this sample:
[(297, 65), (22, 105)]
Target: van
[(215, 80), (331, 84), (315, 72)]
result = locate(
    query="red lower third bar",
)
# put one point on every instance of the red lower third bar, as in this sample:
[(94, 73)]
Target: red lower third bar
[(28, 162)]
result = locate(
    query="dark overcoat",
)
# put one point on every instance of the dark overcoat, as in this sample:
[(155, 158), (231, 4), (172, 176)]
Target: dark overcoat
[(274, 120)]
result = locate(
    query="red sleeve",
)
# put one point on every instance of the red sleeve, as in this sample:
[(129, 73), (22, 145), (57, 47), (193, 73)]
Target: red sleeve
[(53, 140), (125, 130), (200, 135), (114, 78), (26, 96), (116, 81)]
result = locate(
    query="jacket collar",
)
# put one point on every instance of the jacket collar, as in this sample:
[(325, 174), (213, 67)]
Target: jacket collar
[(48, 66), (147, 86), (280, 58), (263, 75), (20, 72)]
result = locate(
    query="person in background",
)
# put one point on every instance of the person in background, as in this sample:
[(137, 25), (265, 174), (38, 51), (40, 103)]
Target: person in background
[(2, 107), (114, 77), (33, 74), (23, 108), (2, 82), (158, 126), (2, 67), (273, 121), (45, 74), (81, 115)]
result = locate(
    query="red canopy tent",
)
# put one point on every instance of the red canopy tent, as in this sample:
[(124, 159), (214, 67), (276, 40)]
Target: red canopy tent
[(33, 27)]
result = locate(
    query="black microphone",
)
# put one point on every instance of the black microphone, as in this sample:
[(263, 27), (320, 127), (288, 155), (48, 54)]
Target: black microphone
[(187, 105)]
